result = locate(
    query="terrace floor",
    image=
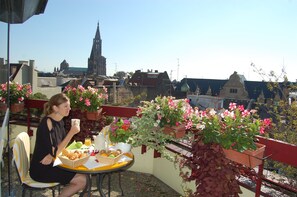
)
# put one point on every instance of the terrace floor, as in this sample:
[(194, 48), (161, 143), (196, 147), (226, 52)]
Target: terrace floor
[(134, 184)]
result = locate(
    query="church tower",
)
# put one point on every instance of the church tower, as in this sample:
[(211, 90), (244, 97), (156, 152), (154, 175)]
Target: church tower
[(96, 62)]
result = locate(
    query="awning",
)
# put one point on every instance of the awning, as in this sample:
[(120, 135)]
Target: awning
[(18, 11)]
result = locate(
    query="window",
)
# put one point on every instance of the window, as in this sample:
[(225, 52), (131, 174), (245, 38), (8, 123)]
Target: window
[(233, 91)]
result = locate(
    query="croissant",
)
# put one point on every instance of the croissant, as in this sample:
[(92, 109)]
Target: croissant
[(73, 155), (65, 152)]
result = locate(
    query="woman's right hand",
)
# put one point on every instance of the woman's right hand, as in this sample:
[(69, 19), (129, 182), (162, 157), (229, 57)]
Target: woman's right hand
[(75, 128)]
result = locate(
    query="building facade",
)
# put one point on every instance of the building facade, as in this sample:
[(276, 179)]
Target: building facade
[(152, 83), (235, 89)]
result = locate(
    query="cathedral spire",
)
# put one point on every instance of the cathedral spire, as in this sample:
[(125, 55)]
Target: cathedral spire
[(97, 36), (96, 62), (97, 44)]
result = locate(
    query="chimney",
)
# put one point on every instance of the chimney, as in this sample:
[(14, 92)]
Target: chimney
[(32, 78), (23, 62), (32, 63)]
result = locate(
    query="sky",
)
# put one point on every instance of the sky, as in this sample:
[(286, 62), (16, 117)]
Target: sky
[(207, 39)]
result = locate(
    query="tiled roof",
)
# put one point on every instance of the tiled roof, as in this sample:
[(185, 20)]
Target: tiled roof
[(215, 84), (254, 88)]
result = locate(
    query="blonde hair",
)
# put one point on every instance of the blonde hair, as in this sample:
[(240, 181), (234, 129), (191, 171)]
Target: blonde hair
[(56, 100)]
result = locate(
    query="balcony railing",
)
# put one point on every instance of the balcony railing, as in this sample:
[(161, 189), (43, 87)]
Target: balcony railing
[(275, 150)]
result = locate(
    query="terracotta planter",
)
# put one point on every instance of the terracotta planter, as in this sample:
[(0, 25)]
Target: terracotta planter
[(94, 115), (249, 158), (175, 131), (17, 107), (3, 107)]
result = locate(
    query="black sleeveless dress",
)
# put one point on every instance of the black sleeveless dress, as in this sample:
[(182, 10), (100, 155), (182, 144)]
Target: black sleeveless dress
[(45, 140)]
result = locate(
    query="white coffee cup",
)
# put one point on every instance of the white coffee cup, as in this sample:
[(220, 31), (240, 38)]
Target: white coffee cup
[(75, 122)]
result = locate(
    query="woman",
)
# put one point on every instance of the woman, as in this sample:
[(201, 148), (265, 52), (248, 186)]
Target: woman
[(51, 139)]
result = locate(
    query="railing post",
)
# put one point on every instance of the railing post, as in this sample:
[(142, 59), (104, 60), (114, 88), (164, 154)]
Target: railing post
[(259, 180), (143, 149), (157, 154), (28, 117)]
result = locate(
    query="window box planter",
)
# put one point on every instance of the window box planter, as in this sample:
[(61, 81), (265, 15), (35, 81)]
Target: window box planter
[(96, 115), (249, 158), (17, 107)]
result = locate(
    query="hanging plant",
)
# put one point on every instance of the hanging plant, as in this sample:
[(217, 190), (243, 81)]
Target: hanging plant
[(211, 171), (151, 118)]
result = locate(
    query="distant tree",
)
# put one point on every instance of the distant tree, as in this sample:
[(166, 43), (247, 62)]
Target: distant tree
[(120, 74), (39, 95), (130, 74)]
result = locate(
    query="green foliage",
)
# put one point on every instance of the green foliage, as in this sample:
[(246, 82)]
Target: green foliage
[(109, 119), (147, 132), (38, 95)]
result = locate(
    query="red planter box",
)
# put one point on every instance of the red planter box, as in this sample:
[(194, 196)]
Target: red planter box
[(249, 158)]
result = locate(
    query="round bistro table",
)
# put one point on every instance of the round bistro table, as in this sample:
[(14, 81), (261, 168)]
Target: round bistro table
[(100, 173)]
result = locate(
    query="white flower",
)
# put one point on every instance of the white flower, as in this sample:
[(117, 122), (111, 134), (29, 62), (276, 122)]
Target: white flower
[(200, 126), (212, 112)]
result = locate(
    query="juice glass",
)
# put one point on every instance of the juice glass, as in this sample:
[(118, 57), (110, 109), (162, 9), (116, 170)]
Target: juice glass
[(88, 141)]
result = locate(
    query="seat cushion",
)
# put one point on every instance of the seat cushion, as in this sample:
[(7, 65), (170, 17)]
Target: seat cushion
[(30, 182)]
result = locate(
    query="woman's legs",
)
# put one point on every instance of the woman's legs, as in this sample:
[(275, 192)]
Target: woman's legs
[(77, 183)]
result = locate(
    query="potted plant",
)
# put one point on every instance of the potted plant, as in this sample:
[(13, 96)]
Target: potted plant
[(75, 96), (169, 113), (18, 93), (235, 128), (153, 116), (120, 133), (213, 132), (87, 99)]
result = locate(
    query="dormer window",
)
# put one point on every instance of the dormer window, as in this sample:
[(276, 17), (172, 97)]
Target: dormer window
[(233, 91)]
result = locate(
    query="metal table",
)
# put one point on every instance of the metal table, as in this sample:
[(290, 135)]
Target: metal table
[(100, 172)]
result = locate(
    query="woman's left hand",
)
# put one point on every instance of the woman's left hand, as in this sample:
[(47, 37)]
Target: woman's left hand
[(47, 160)]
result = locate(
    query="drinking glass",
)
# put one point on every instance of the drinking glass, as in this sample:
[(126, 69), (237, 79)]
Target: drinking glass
[(88, 141)]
